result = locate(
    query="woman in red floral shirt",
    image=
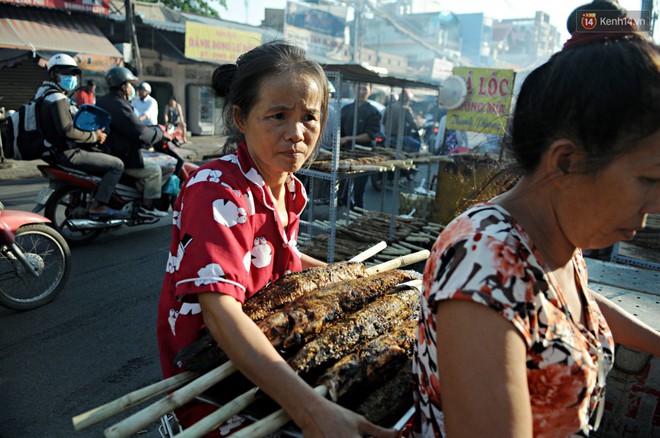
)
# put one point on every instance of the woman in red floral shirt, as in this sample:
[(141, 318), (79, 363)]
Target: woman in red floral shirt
[(511, 341), (236, 225)]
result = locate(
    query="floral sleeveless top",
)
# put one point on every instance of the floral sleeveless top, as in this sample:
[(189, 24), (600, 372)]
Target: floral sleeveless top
[(486, 257)]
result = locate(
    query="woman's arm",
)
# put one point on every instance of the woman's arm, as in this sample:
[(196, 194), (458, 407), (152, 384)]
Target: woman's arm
[(627, 329), (252, 353), (166, 116), (483, 373), (310, 262)]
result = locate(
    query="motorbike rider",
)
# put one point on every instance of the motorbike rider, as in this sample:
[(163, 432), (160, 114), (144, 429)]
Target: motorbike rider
[(145, 106), (70, 146), (129, 136)]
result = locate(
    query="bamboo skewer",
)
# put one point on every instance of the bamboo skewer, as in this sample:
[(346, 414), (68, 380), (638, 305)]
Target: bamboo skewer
[(150, 414), (399, 262), (369, 252), (96, 415), (217, 418), (272, 422), (186, 393)]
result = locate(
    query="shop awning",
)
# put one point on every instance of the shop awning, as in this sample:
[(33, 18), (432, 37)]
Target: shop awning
[(47, 32)]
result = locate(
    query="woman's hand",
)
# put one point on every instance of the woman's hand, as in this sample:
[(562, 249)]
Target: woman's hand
[(333, 420)]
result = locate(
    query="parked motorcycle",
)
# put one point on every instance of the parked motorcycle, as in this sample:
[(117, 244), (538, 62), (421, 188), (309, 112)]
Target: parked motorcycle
[(70, 192), (35, 260)]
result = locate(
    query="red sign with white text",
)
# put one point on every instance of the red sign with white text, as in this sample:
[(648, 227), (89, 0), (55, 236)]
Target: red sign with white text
[(93, 6)]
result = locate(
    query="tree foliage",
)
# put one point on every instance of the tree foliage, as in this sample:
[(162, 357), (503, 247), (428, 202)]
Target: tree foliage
[(200, 7)]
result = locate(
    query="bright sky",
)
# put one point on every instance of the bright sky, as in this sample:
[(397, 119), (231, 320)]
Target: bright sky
[(558, 9)]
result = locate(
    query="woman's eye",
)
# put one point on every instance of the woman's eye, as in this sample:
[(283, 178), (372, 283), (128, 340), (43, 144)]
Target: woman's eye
[(278, 116), (310, 118), (649, 180)]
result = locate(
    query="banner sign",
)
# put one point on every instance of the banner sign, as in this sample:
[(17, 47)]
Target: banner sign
[(488, 102), (93, 6), (319, 29), (218, 44)]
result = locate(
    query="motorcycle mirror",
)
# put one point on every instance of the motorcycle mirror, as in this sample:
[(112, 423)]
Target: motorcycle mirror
[(92, 118)]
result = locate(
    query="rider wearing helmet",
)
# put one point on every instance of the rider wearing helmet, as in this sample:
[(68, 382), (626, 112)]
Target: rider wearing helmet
[(130, 136), (145, 106), (70, 146)]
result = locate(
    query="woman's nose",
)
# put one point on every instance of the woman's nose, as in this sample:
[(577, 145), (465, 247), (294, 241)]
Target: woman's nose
[(295, 132)]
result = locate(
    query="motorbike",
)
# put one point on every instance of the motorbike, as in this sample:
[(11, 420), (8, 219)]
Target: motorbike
[(70, 192), (35, 260)]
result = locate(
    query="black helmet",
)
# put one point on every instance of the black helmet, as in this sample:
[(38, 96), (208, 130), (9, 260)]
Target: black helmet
[(116, 76)]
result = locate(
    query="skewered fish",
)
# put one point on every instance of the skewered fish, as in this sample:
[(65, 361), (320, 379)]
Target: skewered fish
[(293, 286), (306, 317), (390, 400), (370, 364), (367, 323)]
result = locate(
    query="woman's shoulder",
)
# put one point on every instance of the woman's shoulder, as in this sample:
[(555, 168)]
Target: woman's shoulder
[(223, 174), (485, 219)]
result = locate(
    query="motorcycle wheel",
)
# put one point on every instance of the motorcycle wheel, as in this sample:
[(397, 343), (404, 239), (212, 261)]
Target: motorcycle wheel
[(49, 254), (70, 202)]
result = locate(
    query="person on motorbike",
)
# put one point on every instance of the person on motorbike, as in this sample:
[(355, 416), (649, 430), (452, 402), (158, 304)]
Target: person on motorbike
[(70, 146), (129, 136), (392, 116), (145, 106)]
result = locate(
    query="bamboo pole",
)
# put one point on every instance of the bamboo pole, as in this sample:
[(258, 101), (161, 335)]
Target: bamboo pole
[(152, 413), (369, 252), (272, 422), (399, 262), (217, 418), (101, 413)]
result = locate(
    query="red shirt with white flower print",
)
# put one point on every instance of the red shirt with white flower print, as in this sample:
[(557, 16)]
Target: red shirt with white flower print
[(227, 238), (486, 257)]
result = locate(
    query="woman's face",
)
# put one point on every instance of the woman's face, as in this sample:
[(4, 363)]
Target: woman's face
[(284, 125), (612, 205)]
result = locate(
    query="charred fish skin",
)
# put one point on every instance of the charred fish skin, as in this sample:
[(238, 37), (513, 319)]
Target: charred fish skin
[(364, 325), (296, 284), (370, 364), (388, 402), (309, 315)]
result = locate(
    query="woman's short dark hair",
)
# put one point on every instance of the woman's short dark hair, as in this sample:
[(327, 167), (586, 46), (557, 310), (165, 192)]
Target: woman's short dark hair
[(240, 84), (604, 96)]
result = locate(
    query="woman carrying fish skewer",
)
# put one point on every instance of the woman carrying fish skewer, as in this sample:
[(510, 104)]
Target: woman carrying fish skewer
[(236, 226)]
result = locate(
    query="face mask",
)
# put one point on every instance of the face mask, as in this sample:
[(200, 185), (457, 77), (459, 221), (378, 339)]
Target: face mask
[(69, 82), (132, 95)]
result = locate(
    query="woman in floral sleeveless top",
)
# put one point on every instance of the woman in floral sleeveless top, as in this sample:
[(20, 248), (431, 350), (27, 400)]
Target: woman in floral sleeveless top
[(511, 342)]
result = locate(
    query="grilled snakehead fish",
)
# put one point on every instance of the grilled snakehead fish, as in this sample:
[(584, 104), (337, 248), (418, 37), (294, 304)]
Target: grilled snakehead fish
[(296, 284), (343, 337), (369, 365), (306, 317)]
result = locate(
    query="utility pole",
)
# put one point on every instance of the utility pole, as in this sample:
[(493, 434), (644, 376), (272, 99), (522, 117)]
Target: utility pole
[(131, 37), (356, 55)]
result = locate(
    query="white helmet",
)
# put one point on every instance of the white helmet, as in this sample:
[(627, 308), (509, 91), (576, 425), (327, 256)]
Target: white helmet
[(63, 60), (145, 86)]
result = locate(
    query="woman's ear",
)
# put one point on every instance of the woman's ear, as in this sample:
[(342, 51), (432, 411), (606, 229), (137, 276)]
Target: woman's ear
[(560, 159), (238, 118)]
